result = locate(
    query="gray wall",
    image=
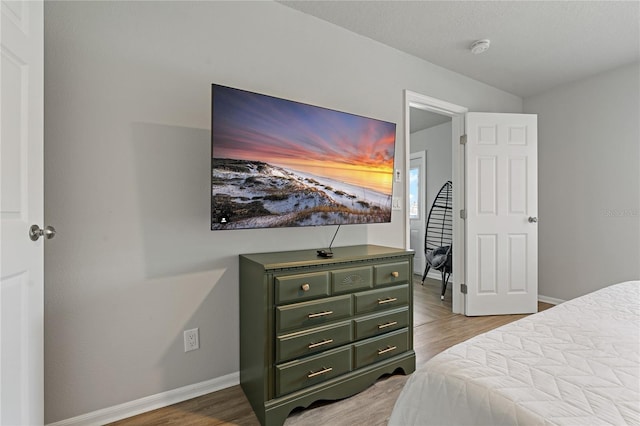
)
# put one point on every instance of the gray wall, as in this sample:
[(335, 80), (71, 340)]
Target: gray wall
[(436, 141), (589, 183), (127, 118)]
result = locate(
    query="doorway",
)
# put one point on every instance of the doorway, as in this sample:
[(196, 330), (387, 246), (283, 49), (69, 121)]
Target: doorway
[(417, 206), (434, 127)]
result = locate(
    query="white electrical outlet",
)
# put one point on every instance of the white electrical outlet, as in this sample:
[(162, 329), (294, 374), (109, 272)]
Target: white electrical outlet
[(396, 203), (191, 340)]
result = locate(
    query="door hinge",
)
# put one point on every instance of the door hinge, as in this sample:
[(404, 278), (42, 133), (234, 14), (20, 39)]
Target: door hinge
[(463, 140), (463, 214), (463, 288)]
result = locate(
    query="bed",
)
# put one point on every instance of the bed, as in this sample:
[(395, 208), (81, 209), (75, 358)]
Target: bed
[(577, 363)]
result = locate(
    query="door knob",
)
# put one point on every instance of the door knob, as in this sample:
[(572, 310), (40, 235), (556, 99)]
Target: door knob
[(533, 219), (35, 232)]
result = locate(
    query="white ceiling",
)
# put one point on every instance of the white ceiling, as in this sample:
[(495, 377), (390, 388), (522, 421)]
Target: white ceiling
[(535, 45)]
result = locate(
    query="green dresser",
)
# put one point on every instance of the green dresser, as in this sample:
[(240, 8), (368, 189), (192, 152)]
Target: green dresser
[(315, 328)]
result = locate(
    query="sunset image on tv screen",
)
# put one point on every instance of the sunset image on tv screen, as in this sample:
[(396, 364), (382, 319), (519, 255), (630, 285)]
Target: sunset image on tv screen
[(280, 163)]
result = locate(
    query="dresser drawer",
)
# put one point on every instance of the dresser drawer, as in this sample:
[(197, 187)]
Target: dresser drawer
[(293, 288), (383, 298), (348, 280), (299, 374), (382, 347), (313, 313), (390, 273), (308, 342), (373, 325)]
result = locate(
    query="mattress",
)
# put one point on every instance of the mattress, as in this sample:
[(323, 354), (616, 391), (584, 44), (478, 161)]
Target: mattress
[(577, 363)]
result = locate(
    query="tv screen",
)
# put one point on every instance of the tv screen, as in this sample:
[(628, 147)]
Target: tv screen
[(280, 163)]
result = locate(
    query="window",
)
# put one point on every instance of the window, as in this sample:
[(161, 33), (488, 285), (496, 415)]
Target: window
[(414, 193)]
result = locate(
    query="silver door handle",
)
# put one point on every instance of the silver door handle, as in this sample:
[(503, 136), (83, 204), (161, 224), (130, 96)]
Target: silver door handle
[(533, 219), (35, 232)]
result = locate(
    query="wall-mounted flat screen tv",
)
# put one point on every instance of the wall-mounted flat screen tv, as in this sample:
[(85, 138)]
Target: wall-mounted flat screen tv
[(280, 163)]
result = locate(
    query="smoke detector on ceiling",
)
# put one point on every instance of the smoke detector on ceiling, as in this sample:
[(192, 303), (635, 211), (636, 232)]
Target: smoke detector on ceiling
[(480, 46)]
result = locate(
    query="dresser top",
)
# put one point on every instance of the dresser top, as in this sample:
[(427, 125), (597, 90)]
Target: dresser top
[(298, 258)]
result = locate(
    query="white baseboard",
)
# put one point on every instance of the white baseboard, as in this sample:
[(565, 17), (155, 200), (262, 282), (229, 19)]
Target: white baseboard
[(437, 276), (164, 399), (551, 300), (434, 274), (148, 403)]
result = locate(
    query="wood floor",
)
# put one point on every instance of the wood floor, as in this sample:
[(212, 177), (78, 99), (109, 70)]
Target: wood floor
[(435, 329)]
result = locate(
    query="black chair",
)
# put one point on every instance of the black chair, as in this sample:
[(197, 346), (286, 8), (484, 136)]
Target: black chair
[(438, 238)]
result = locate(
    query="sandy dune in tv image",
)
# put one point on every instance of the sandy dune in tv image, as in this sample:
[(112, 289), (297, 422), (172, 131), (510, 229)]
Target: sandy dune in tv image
[(279, 163)]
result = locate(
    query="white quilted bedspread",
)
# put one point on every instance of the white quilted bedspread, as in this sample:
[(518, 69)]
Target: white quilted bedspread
[(577, 363)]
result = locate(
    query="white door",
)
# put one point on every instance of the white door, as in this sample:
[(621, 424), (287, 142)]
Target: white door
[(417, 217), (21, 205), (501, 204)]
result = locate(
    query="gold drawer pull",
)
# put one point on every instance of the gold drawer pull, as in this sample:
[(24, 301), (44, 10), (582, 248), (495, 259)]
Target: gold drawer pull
[(389, 349), (395, 274), (324, 370), (324, 342), (305, 287), (387, 300), (320, 314), (389, 324)]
